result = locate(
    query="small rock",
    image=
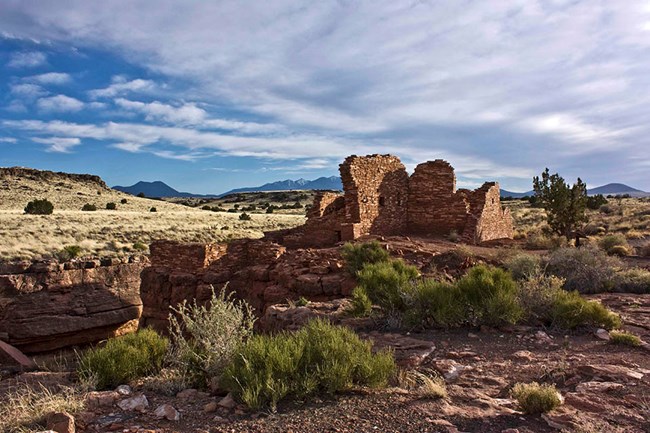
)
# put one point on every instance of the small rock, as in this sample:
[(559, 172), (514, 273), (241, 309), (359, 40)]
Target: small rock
[(470, 335), (510, 430), (99, 399), (210, 407), (60, 422), (219, 419), (602, 334), (598, 387), (228, 402), (187, 394), (524, 355), (124, 390), (542, 337), (138, 403), (560, 421), (167, 411)]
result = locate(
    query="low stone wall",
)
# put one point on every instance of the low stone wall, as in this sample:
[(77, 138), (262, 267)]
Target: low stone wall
[(261, 272), (50, 305)]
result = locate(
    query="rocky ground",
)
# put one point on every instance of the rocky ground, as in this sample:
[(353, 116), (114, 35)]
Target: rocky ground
[(606, 388)]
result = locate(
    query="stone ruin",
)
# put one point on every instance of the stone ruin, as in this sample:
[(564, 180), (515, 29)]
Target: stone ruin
[(380, 198)]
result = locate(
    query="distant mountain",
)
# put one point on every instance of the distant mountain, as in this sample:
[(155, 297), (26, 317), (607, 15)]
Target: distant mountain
[(154, 189), (609, 189), (332, 183), (618, 188)]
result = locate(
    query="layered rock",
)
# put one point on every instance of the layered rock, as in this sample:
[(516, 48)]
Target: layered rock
[(49, 305)]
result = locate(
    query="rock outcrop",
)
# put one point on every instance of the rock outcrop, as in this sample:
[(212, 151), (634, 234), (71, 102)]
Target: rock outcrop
[(49, 305)]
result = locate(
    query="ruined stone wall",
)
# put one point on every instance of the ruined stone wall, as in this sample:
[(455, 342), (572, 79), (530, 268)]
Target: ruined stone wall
[(375, 189), (49, 305), (260, 272), (489, 219), (188, 256), (434, 206)]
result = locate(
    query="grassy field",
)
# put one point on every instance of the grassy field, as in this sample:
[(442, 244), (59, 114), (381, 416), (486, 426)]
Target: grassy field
[(115, 233)]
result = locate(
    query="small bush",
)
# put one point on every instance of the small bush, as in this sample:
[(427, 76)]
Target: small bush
[(360, 254), (430, 303), (624, 338), (538, 295), (139, 246), (541, 241), (491, 295), (153, 209), (141, 195), (384, 283), (69, 252), (360, 303), (111, 206), (619, 250), (244, 217), (39, 207), (586, 269), (205, 338), (124, 201), (123, 359), (570, 310), (523, 266), (633, 280), (534, 398), (609, 242), (89, 207), (319, 358), (606, 209), (302, 301)]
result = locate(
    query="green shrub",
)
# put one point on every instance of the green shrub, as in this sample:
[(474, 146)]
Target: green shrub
[(632, 280), (358, 255), (430, 303), (570, 310), (205, 338), (587, 269), (123, 359), (153, 209), (302, 301), (610, 242), (537, 294), (491, 295), (111, 206), (533, 398), (124, 201), (384, 282), (523, 266), (319, 358), (360, 303), (69, 252), (39, 207), (89, 207), (624, 338), (244, 217)]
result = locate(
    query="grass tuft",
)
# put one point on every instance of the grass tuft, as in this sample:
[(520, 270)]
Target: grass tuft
[(624, 338), (534, 398)]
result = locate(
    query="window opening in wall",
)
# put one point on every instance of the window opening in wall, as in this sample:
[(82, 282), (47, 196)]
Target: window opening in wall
[(382, 201)]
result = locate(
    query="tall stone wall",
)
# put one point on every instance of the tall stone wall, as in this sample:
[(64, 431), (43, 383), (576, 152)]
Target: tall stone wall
[(50, 305), (490, 219), (434, 206), (376, 191)]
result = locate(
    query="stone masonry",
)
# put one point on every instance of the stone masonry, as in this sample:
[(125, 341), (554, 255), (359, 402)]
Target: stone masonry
[(379, 198)]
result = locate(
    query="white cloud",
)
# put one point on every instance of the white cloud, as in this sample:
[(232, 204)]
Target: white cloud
[(190, 114), (8, 140), (27, 90), (59, 103), (58, 144), (27, 59), (120, 87), (51, 78)]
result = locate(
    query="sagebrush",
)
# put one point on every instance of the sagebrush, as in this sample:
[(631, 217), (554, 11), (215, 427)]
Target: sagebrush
[(206, 337)]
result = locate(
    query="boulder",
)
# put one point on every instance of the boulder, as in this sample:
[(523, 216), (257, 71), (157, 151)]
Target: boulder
[(60, 422), (136, 403), (227, 402), (10, 356)]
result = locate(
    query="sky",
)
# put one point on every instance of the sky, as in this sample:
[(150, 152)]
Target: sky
[(209, 96)]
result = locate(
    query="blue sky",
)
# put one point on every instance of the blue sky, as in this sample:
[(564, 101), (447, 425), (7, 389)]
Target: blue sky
[(209, 96)]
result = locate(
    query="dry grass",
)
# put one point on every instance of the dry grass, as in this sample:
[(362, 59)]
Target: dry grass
[(24, 409), (116, 233), (423, 385)]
